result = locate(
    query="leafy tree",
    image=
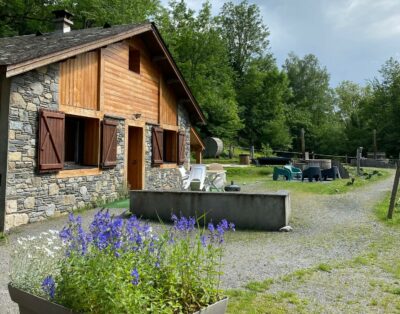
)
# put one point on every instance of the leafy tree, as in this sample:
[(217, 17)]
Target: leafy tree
[(311, 104), (262, 98), (21, 17), (88, 13), (382, 111), (246, 35), (201, 54)]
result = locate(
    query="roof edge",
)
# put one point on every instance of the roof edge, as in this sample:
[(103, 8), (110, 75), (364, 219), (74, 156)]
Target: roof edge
[(178, 73), (25, 66)]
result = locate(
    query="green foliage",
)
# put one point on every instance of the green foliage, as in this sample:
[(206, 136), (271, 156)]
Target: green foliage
[(311, 104), (89, 13), (262, 96), (202, 56), (246, 35)]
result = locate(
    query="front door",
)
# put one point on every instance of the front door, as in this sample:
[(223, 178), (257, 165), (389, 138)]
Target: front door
[(135, 158)]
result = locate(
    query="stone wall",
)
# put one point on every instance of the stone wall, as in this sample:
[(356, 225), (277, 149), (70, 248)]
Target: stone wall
[(31, 196), (157, 178)]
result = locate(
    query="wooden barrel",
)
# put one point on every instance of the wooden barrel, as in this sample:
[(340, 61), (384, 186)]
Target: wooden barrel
[(214, 147), (244, 159)]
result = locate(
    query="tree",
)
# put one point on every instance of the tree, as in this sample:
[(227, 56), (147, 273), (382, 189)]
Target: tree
[(246, 35), (311, 104), (21, 17), (382, 111), (262, 98), (201, 54), (89, 13)]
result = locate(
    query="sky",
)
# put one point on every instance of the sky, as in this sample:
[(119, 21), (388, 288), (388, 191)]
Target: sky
[(352, 38)]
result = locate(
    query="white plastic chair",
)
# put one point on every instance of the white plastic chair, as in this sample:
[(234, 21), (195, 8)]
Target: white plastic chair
[(185, 177), (197, 178)]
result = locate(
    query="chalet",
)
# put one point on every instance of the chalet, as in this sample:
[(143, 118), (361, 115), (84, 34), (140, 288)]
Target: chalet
[(86, 114)]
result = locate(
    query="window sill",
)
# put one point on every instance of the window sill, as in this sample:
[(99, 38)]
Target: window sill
[(168, 166), (78, 173)]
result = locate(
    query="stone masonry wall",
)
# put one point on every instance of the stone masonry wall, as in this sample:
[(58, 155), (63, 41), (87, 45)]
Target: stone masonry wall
[(166, 179), (31, 196)]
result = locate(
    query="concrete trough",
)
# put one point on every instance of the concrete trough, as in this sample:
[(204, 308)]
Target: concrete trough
[(261, 211)]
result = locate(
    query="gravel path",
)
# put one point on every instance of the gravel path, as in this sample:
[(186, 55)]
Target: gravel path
[(326, 228)]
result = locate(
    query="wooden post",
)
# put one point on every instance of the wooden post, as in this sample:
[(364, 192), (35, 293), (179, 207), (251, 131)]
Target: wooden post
[(303, 143), (359, 154), (230, 152), (252, 152), (198, 156), (374, 141), (394, 192)]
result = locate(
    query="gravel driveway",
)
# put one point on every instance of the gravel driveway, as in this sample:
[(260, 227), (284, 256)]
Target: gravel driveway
[(326, 228)]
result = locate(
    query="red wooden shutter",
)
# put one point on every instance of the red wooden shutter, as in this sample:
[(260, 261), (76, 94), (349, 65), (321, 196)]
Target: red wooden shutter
[(109, 144), (51, 140), (181, 148), (157, 145)]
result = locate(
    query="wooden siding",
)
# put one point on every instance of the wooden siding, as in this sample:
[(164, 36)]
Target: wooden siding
[(168, 108), (79, 81), (126, 92)]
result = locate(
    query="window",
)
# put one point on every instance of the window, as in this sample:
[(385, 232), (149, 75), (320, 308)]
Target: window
[(134, 60), (168, 146), (170, 150), (81, 142), (71, 142)]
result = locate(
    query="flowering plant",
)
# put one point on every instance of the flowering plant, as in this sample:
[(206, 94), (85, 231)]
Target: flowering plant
[(122, 266)]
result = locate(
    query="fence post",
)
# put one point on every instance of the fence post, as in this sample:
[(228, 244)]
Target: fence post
[(394, 192)]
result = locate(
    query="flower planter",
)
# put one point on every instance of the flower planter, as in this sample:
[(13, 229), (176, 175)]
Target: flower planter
[(32, 304), (218, 307)]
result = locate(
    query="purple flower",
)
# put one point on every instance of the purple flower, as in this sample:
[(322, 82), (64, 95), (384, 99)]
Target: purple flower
[(135, 277), (183, 224), (49, 286), (203, 240), (211, 227)]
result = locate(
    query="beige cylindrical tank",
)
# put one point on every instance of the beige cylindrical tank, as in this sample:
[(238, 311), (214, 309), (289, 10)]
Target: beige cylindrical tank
[(214, 147)]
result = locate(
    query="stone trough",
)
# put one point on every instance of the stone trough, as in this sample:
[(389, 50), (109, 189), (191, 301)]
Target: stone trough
[(261, 211)]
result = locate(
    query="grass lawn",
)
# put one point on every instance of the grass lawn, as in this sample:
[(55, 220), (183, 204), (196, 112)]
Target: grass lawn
[(263, 177), (381, 210), (124, 203)]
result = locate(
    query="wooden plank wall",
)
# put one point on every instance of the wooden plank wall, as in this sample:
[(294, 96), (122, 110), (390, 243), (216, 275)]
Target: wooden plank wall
[(168, 108), (79, 81), (126, 92)]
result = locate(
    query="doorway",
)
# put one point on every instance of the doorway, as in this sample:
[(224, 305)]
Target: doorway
[(135, 158)]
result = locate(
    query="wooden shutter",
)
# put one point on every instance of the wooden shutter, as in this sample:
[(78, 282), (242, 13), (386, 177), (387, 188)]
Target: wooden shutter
[(181, 147), (51, 140), (157, 145), (109, 143)]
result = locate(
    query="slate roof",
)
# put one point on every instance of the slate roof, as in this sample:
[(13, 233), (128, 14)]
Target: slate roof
[(17, 49)]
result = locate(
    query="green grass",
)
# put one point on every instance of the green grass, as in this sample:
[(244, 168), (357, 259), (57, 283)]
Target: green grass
[(245, 301), (3, 238), (263, 175), (124, 203), (381, 210)]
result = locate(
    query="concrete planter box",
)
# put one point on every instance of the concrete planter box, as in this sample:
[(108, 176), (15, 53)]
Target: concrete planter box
[(266, 211), (216, 308), (32, 304)]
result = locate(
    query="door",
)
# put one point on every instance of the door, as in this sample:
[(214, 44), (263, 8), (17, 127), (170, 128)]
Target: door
[(135, 158)]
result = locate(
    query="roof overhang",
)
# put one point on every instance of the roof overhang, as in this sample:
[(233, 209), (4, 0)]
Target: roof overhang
[(195, 140), (189, 101)]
